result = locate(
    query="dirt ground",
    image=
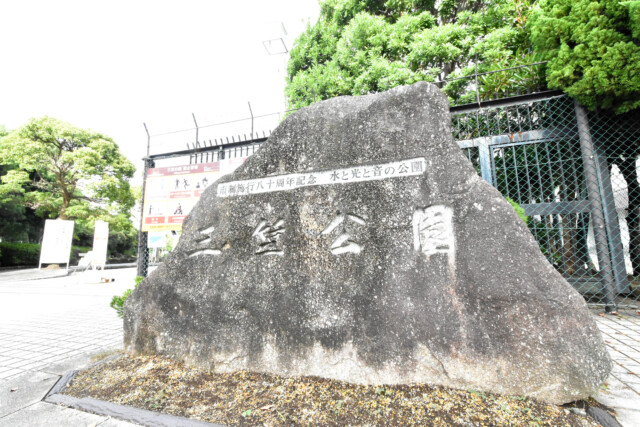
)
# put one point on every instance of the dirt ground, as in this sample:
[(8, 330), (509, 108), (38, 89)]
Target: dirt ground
[(249, 398)]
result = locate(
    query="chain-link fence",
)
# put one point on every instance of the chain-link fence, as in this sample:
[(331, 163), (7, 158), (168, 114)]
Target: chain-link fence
[(575, 175)]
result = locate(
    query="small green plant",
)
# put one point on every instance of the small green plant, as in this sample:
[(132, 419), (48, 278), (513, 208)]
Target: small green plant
[(380, 391), (117, 302), (519, 210), (158, 401), (478, 393)]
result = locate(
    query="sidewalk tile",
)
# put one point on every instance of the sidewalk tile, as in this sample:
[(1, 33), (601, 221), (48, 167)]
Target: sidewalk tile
[(10, 373)]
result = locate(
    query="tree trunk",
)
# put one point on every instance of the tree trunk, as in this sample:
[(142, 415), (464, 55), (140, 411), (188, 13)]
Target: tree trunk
[(66, 201)]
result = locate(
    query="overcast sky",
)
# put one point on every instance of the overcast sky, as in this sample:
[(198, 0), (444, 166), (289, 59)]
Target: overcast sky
[(112, 65)]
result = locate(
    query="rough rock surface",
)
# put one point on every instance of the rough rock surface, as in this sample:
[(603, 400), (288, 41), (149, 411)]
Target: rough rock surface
[(359, 244)]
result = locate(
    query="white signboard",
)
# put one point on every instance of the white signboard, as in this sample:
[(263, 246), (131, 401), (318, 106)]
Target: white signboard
[(100, 243), (56, 242), (410, 167)]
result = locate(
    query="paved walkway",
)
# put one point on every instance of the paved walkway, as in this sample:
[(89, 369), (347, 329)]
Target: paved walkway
[(26, 274), (622, 391), (50, 326), (47, 327)]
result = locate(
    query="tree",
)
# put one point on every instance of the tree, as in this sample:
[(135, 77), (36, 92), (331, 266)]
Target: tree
[(593, 49), (17, 223), (364, 46), (75, 173), (11, 206)]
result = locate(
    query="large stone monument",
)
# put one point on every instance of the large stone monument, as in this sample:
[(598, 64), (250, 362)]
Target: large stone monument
[(360, 244)]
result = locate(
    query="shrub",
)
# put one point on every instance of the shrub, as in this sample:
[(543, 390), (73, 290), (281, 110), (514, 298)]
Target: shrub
[(117, 302), (28, 254), (19, 254)]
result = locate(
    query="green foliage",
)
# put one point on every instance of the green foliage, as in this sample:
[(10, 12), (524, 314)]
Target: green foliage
[(634, 17), (519, 210), (593, 49), (75, 173), (364, 46), (117, 302), (28, 254), (19, 254), (12, 210), (123, 236), (138, 280), (49, 168)]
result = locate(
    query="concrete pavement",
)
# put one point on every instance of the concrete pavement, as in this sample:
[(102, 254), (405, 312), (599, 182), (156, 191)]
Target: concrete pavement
[(622, 390), (47, 327)]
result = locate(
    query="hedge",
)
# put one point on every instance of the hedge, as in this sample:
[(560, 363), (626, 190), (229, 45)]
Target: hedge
[(28, 254), (19, 254)]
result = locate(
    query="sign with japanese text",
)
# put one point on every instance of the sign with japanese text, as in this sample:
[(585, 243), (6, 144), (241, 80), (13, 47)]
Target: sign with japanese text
[(411, 167), (56, 242), (171, 192)]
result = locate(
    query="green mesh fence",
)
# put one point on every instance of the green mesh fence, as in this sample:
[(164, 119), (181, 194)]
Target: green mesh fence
[(575, 173)]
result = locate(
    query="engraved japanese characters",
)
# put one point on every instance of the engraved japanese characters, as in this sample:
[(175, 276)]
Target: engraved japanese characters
[(433, 225), (433, 231)]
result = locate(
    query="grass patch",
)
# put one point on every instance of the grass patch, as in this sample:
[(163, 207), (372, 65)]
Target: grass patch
[(249, 398)]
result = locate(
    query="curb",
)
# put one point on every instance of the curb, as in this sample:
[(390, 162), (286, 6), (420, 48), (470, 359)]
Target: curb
[(121, 412), (603, 417)]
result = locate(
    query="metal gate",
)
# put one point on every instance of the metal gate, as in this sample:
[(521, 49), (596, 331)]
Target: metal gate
[(541, 154)]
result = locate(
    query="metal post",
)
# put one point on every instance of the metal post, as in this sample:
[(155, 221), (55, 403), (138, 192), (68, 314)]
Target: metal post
[(597, 214), (143, 250), (251, 111), (197, 130), (484, 152), (612, 223)]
